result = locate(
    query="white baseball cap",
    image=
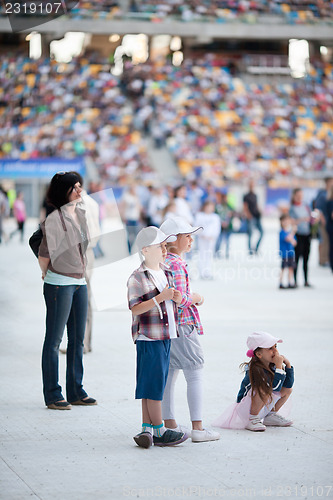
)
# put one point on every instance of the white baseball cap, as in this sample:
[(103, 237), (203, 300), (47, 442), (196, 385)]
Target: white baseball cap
[(152, 235), (260, 339), (178, 225)]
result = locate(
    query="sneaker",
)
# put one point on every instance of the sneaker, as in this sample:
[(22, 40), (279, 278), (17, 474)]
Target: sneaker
[(204, 435), (181, 428), (170, 438), (282, 287), (255, 424), (144, 439), (276, 420)]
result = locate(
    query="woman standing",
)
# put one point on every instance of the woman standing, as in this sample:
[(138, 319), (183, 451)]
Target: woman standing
[(300, 213), (63, 263)]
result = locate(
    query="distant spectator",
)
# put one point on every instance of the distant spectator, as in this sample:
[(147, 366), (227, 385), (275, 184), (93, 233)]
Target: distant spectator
[(253, 217), (300, 213), (287, 252), (20, 215), (225, 212), (321, 203)]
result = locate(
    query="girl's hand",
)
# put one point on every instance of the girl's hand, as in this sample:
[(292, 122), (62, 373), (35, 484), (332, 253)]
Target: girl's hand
[(278, 360), (286, 362), (177, 297), (195, 298), (166, 294), (201, 301)]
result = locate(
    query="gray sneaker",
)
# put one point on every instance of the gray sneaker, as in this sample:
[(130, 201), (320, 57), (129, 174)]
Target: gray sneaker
[(170, 438), (144, 439)]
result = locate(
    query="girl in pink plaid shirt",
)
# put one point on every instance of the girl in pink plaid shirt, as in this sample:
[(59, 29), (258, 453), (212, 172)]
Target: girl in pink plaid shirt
[(186, 352)]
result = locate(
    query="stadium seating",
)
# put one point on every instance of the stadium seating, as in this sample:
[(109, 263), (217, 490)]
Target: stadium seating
[(213, 123)]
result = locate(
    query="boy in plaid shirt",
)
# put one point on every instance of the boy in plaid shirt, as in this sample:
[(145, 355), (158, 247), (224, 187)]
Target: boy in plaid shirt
[(152, 301), (186, 352)]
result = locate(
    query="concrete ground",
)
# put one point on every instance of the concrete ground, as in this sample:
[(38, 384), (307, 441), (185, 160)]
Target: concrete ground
[(89, 453)]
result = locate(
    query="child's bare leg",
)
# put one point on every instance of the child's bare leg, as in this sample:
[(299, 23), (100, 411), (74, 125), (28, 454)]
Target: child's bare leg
[(285, 393), (291, 275), (145, 412), (170, 423), (256, 405), (154, 411)]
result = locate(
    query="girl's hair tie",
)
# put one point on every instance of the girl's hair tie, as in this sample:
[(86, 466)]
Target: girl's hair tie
[(250, 353)]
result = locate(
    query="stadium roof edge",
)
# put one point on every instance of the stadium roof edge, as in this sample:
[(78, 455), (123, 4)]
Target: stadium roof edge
[(235, 30)]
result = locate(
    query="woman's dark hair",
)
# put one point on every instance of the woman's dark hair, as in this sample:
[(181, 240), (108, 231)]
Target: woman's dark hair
[(60, 188), (295, 191), (261, 378)]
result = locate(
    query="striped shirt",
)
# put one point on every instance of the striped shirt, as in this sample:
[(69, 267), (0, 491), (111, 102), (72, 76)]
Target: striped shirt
[(188, 313), (154, 323)]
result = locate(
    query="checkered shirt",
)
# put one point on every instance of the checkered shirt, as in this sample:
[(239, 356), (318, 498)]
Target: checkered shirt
[(141, 287), (188, 313)]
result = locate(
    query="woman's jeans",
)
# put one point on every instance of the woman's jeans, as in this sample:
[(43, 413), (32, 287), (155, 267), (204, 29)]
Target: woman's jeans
[(65, 305)]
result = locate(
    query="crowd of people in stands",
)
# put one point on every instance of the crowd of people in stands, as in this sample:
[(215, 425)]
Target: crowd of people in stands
[(49, 109), (216, 125), (213, 123), (293, 12)]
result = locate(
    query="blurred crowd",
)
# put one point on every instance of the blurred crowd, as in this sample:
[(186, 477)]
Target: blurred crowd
[(50, 109), (214, 124), (295, 11), (249, 11)]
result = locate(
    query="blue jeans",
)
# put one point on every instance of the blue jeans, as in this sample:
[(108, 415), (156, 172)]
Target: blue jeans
[(224, 235), (254, 223), (65, 305)]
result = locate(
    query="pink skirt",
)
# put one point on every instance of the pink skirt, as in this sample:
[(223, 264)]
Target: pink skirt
[(237, 415)]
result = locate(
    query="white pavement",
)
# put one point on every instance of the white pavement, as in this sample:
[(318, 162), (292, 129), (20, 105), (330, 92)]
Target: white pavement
[(89, 453)]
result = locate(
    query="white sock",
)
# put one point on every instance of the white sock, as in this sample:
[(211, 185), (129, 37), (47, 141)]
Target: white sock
[(147, 428), (158, 430)]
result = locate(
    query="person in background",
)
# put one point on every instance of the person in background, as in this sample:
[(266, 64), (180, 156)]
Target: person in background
[(20, 215), (300, 213), (91, 208), (130, 209), (320, 203), (287, 251), (4, 209), (253, 217), (210, 221), (183, 208), (329, 224), (225, 212)]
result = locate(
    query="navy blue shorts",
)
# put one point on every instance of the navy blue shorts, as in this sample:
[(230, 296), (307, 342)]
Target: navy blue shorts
[(152, 367), (288, 262)]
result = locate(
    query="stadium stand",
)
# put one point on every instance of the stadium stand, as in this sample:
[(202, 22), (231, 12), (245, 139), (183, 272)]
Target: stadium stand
[(49, 109), (248, 11), (213, 123)]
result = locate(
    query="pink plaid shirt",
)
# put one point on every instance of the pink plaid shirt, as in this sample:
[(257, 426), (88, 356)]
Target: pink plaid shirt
[(188, 313)]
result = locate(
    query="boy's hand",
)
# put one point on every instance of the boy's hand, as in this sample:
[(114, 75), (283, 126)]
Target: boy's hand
[(167, 293), (177, 296)]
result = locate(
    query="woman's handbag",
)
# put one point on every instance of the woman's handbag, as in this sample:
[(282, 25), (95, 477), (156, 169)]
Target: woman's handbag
[(35, 241)]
